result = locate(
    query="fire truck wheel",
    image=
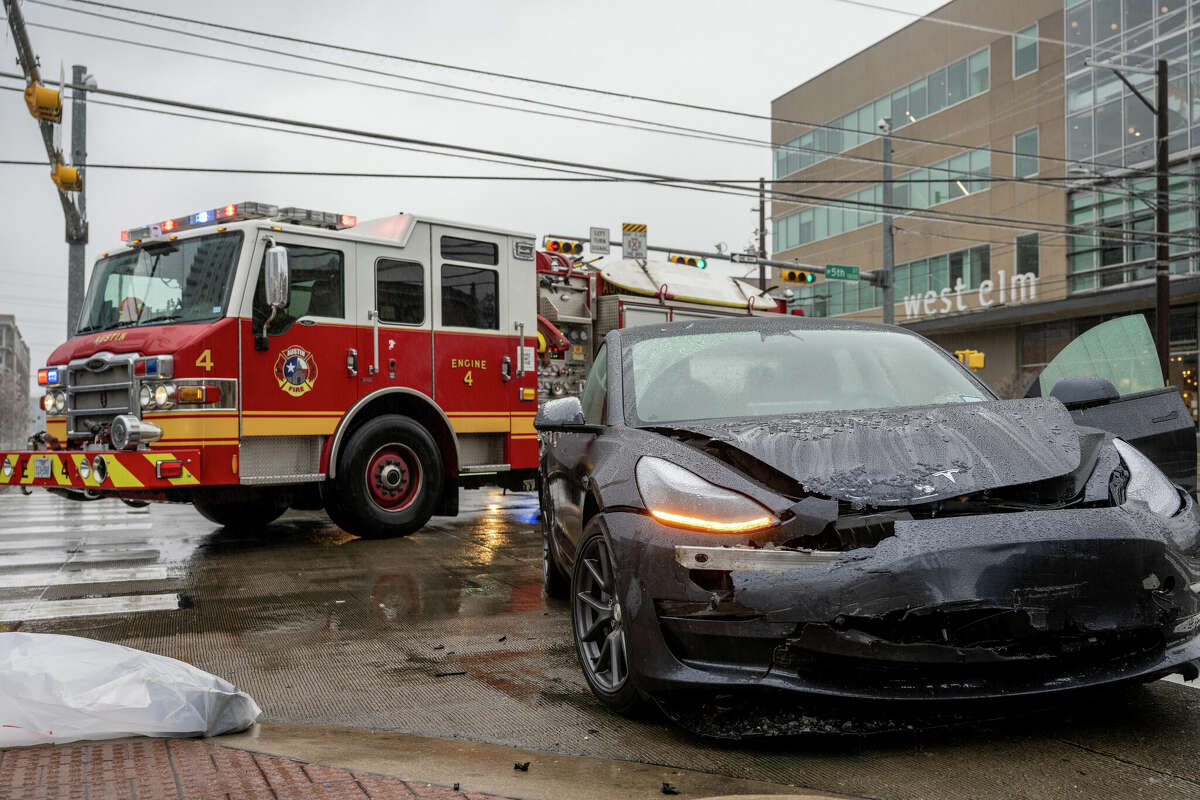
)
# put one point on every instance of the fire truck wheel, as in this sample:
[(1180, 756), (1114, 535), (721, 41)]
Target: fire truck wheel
[(241, 514), (389, 479)]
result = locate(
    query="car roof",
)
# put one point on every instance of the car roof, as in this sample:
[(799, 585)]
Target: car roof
[(766, 324)]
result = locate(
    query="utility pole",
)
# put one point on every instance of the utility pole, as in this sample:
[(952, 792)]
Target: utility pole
[(45, 105), (888, 285), (77, 237), (762, 233), (1162, 256), (1162, 209)]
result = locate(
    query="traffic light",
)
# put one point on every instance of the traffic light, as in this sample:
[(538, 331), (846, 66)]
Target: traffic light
[(67, 179), (563, 246), (971, 359), (43, 102), (798, 276), (691, 261)]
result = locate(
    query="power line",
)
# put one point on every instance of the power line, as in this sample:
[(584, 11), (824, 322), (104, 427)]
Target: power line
[(666, 180), (526, 79), (662, 127)]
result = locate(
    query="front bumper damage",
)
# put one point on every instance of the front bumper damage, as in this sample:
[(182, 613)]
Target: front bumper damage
[(979, 607)]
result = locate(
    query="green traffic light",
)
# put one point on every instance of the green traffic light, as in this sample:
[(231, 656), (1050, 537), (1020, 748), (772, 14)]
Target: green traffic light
[(701, 263)]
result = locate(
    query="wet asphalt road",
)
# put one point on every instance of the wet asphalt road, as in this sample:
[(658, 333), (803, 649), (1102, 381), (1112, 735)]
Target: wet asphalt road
[(445, 633)]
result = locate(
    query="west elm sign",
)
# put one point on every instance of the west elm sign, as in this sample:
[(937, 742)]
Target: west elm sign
[(1019, 288)]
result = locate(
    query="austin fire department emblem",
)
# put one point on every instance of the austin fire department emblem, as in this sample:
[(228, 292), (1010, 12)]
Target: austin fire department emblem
[(296, 371)]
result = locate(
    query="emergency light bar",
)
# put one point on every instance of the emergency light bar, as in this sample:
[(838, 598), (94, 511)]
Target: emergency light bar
[(235, 213), (230, 213)]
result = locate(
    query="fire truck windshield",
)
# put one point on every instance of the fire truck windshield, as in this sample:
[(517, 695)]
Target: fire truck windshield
[(186, 280)]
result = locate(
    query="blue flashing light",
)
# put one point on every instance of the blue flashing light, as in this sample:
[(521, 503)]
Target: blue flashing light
[(152, 366), (201, 217), (52, 376)]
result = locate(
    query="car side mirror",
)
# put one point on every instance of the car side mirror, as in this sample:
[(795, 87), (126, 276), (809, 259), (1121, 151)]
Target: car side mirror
[(1081, 391), (564, 415), (276, 278)]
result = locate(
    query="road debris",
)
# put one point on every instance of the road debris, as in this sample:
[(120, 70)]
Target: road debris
[(669, 789), (521, 766)]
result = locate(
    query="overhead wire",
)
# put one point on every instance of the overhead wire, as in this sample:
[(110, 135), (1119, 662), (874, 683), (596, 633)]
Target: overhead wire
[(508, 76)]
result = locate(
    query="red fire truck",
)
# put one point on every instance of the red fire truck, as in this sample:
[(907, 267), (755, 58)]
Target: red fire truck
[(251, 358)]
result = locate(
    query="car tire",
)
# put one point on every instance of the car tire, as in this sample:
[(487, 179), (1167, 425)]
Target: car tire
[(596, 626), (555, 582), (249, 514), (389, 479)]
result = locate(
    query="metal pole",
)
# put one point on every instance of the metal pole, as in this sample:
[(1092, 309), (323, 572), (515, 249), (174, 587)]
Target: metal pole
[(1161, 225), (762, 233), (889, 292), (77, 235)]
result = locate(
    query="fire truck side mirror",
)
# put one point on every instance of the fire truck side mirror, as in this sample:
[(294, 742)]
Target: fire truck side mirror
[(277, 277), (277, 290)]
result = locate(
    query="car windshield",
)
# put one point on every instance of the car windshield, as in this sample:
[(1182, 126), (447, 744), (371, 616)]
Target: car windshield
[(796, 371), (165, 282)]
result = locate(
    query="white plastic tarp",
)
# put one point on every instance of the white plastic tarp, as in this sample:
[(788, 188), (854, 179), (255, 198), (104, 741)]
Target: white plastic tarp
[(56, 689)]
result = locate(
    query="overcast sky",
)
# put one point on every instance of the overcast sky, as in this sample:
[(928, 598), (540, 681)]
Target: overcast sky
[(732, 55)]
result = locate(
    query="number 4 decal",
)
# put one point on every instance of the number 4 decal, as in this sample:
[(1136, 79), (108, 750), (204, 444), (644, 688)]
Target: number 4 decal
[(468, 380), (205, 360)]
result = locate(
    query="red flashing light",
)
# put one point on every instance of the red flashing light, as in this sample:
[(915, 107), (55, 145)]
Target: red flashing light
[(168, 225), (229, 211), (139, 368), (170, 469), (554, 246), (349, 221), (43, 377), (124, 236)]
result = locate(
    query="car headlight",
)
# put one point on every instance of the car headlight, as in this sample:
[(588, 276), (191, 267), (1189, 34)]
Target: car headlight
[(164, 395), (682, 498), (1147, 482), (145, 397)]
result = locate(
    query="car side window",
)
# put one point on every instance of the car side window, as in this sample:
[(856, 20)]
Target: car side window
[(317, 280), (596, 390)]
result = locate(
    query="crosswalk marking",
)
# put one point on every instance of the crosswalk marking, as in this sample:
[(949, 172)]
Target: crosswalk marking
[(26, 610), (23, 580), (82, 552)]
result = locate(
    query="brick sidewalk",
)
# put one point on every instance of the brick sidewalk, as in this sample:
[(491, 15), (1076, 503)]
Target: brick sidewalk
[(189, 769)]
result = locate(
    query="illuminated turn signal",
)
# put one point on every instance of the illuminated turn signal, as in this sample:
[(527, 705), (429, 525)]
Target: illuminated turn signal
[(712, 525)]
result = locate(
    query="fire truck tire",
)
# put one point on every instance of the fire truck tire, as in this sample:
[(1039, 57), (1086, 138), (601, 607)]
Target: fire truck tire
[(240, 514), (389, 479)]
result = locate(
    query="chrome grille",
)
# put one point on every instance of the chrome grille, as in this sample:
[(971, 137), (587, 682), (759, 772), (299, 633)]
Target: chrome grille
[(98, 388)]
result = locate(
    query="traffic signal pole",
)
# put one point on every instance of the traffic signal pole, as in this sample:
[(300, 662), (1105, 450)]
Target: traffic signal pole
[(762, 233), (77, 235), (75, 224), (888, 285)]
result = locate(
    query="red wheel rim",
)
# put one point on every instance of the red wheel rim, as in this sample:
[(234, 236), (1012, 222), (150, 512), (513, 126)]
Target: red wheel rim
[(393, 477)]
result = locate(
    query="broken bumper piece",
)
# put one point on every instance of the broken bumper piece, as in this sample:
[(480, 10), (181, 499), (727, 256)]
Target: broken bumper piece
[(953, 608)]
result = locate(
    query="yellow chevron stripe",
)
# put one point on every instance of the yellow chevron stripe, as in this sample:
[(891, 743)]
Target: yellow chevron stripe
[(186, 479)]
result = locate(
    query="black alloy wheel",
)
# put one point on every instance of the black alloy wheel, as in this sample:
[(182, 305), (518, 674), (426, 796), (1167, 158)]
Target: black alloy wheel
[(598, 624)]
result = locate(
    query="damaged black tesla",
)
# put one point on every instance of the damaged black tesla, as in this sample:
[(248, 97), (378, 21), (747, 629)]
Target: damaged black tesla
[(841, 510)]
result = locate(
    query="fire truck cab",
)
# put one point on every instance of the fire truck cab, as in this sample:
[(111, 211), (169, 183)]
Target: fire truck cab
[(248, 359)]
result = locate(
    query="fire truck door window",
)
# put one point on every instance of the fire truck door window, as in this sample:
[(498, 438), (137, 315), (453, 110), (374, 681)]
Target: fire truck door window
[(470, 250), (317, 280), (400, 291), (470, 297)]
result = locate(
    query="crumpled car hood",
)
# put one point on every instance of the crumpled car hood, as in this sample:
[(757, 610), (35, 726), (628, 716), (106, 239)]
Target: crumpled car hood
[(898, 456)]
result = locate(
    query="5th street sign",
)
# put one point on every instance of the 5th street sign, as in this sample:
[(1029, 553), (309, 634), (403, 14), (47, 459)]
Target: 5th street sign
[(840, 272)]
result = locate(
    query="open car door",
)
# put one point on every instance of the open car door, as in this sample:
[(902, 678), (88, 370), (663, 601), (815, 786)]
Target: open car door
[(1137, 406)]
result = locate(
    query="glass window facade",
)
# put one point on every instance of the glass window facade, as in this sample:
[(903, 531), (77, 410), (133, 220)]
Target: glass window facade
[(920, 188), (952, 84), (1113, 243), (1106, 124)]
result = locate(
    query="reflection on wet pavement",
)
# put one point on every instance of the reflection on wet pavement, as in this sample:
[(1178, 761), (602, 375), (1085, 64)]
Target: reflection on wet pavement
[(445, 633)]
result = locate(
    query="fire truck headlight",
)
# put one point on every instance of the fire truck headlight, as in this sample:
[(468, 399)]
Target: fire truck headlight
[(60, 402), (7, 469), (164, 395), (48, 403), (146, 398), (85, 469)]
